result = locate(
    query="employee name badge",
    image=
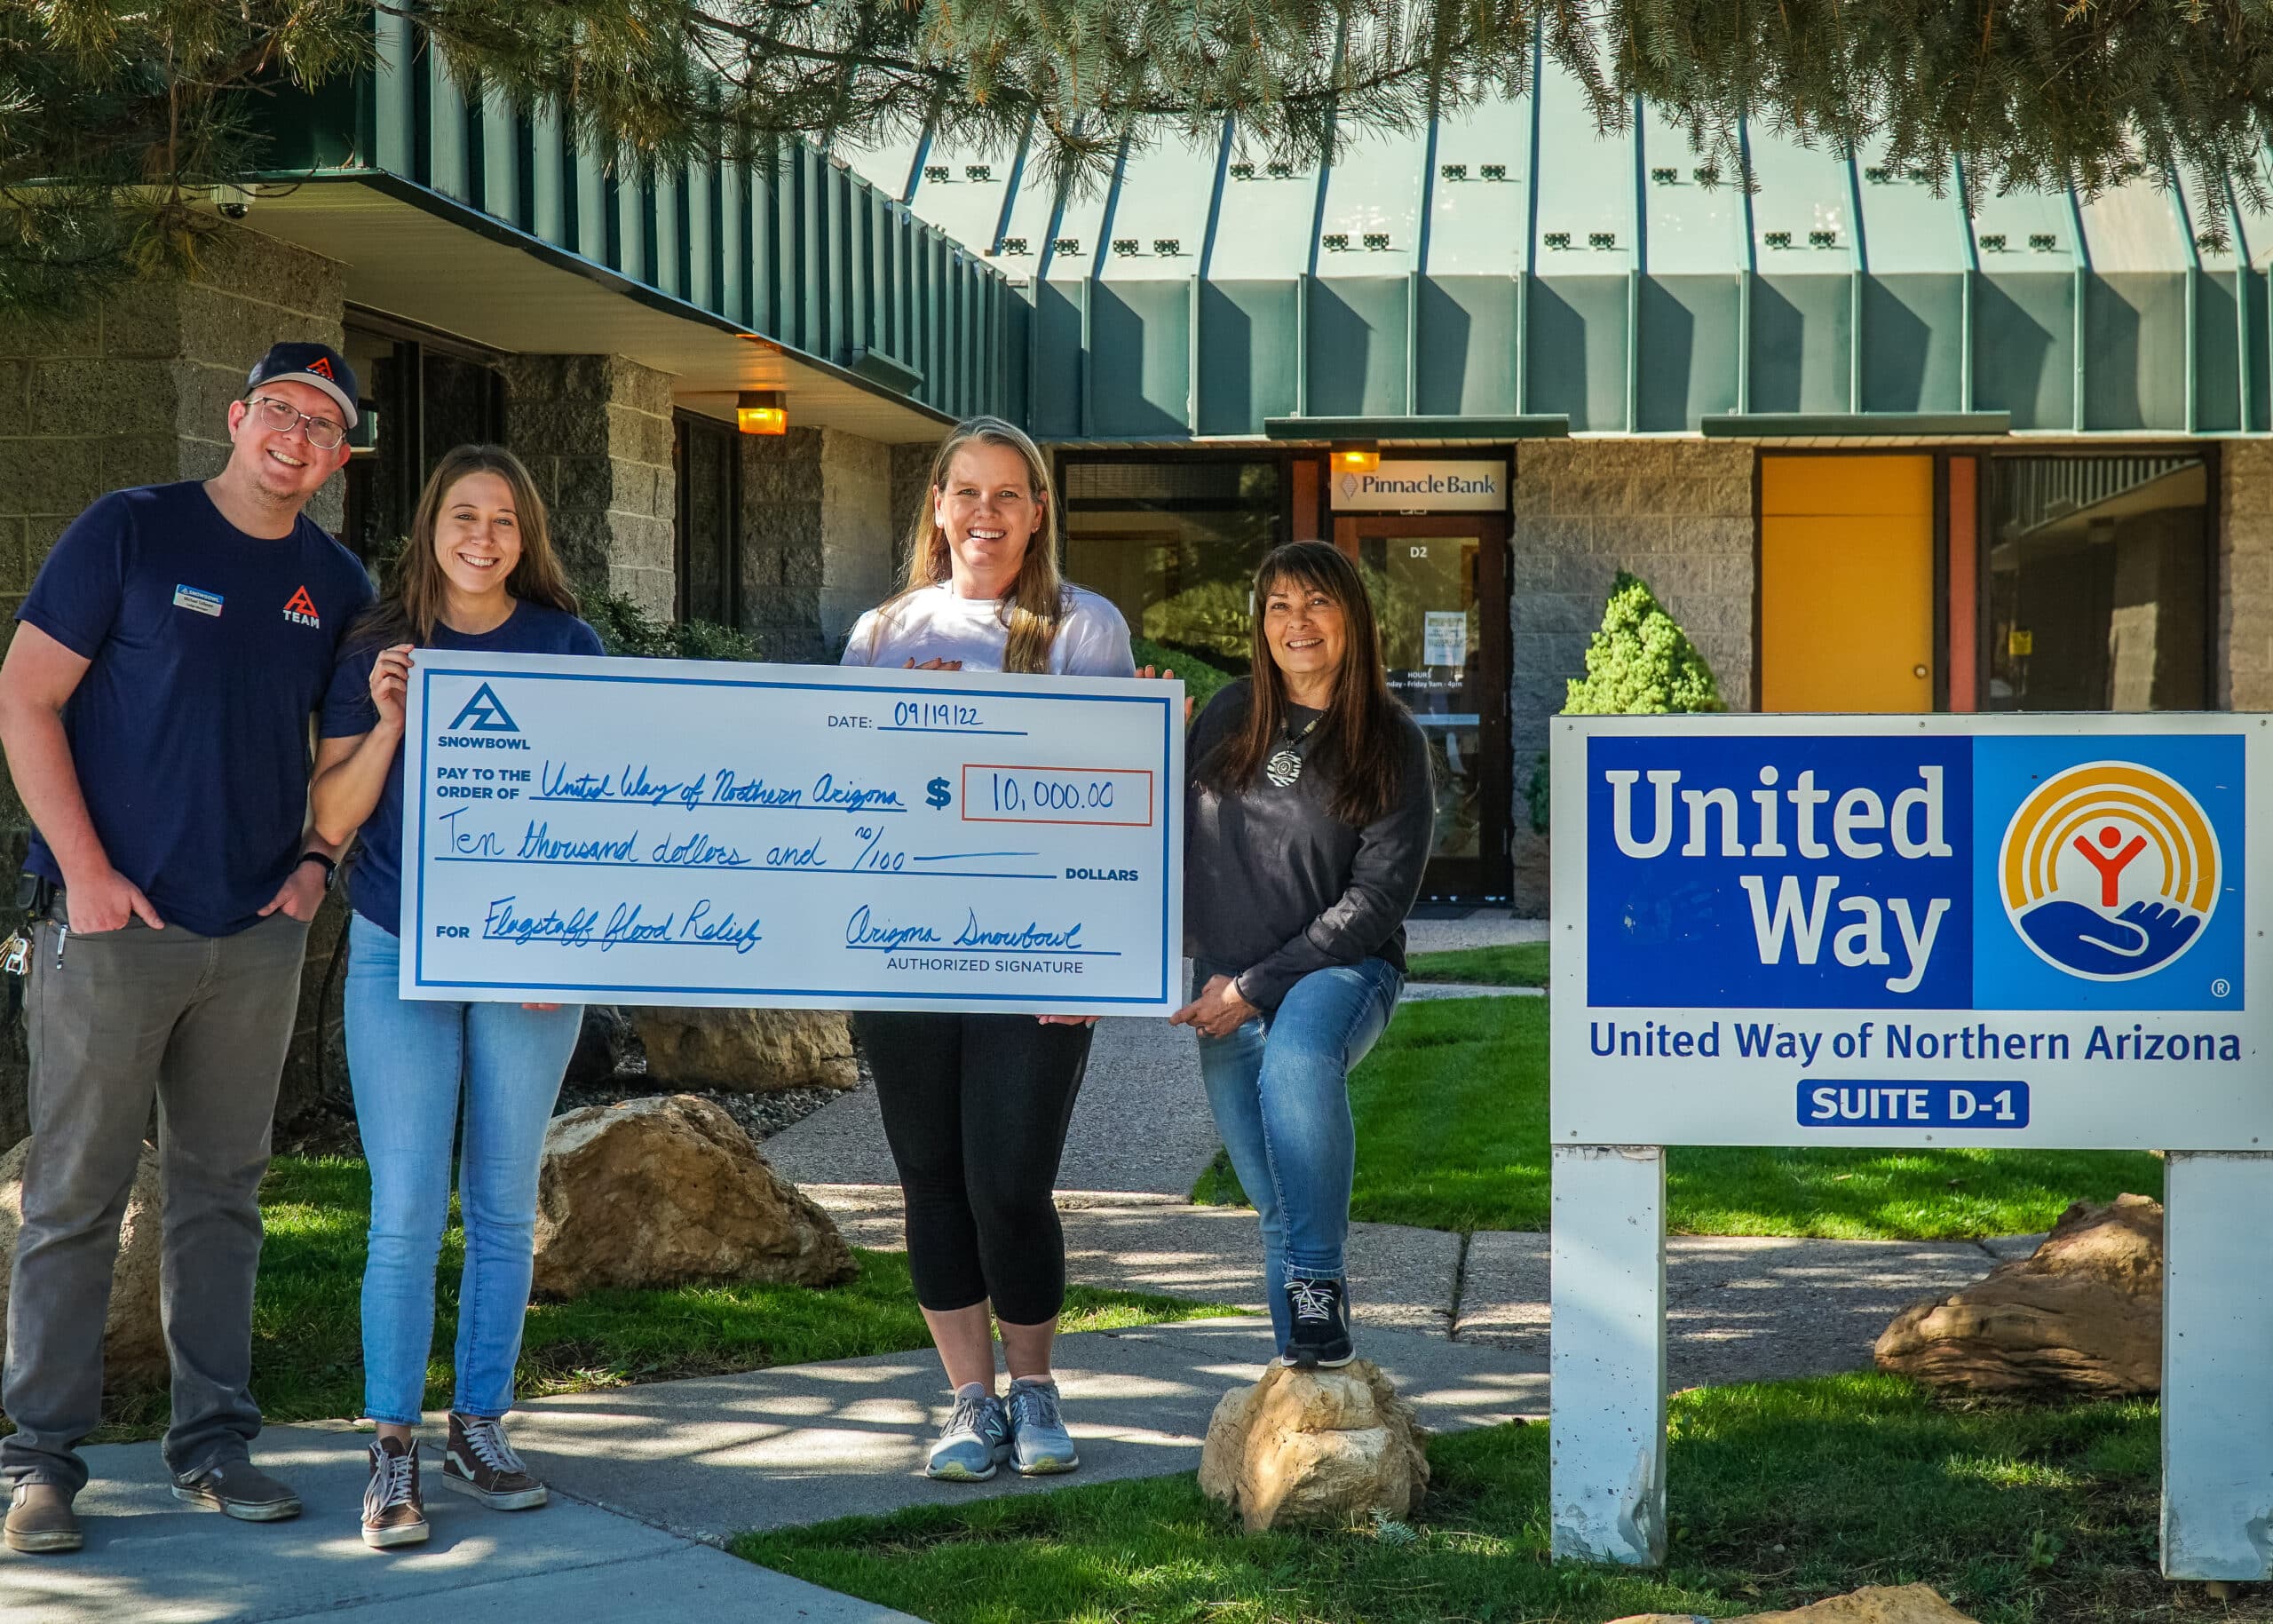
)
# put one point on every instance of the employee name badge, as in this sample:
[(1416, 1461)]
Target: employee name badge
[(197, 598)]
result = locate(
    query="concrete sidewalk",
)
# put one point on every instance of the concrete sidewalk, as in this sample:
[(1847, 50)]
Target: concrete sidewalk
[(1739, 1308), (802, 1443), (648, 1481), (152, 1560)]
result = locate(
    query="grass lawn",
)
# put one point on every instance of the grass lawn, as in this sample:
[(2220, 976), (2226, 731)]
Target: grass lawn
[(1451, 1109), (307, 1349), (1780, 1493), (1517, 964)]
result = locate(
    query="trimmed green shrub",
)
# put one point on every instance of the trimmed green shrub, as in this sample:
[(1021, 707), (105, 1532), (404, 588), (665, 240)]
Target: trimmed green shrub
[(627, 629), (1641, 663), (1201, 681)]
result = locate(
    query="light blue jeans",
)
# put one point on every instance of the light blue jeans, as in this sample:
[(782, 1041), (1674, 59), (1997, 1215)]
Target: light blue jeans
[(1280, 1088), (406, 1060)]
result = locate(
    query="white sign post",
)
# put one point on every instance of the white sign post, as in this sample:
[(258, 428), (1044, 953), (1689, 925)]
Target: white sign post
[(1912, 930)]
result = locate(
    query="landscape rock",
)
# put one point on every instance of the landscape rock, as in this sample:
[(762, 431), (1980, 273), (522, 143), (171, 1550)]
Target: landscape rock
[(134, 1339), (664, 1190), (1872, 1605), (607, 1047), (2082, 1314), (1321, 1448), (753, 1051)]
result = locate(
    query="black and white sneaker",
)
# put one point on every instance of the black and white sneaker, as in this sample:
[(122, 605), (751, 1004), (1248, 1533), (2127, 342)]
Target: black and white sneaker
[(1321, 1337)]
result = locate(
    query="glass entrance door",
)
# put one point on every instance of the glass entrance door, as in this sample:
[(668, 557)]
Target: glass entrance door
[(1439, 586)]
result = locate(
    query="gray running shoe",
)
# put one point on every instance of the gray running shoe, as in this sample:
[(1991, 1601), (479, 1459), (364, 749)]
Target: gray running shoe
[(977, 1440), (1040, 1444)]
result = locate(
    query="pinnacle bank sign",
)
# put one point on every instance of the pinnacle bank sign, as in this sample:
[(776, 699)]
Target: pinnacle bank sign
[(1434, 487)]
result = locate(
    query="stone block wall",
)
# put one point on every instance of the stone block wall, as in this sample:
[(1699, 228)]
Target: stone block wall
[(596, 431), (1679, 514), (2244, 670), (818, 534), (134, 390)]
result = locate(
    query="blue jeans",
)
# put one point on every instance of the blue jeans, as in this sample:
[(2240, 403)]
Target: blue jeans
[(1280, 1088), (406, 1058)]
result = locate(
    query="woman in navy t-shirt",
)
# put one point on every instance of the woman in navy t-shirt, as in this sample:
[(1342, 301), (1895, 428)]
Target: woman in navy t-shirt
[(479, 573)]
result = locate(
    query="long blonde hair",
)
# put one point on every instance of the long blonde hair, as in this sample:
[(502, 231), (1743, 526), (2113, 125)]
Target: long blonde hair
[(417, 589), (1035, 607)]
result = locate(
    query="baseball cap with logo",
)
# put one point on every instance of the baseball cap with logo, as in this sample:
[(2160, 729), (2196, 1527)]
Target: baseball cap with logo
[(318, 366)]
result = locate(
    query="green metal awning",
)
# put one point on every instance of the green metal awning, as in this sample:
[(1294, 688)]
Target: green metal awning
[(1511, 262), (1421, 431), (468, 217), (1815, 425)]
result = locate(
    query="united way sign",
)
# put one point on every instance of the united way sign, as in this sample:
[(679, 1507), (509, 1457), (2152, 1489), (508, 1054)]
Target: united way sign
[(1910, 930), (2037, 930)]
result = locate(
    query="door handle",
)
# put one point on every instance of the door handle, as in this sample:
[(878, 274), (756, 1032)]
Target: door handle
[(1918, 671)]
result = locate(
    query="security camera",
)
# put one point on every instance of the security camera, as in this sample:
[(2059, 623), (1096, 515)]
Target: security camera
[(235, 210), (234, 202)]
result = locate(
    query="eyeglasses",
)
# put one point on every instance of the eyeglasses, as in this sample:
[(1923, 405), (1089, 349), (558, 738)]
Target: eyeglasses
[(281, 418)]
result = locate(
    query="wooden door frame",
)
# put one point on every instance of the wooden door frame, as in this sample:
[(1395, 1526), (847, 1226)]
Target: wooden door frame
[(1494, 864)]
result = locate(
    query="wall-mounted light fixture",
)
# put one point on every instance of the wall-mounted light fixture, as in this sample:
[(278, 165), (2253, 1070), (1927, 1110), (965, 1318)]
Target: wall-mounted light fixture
[(761, 411), (1356, 456)]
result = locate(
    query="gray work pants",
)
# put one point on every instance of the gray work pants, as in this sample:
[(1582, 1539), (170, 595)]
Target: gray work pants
[(201, 1023)]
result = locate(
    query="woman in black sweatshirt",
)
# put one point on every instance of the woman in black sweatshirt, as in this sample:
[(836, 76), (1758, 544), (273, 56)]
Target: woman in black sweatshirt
[(1309, 815)]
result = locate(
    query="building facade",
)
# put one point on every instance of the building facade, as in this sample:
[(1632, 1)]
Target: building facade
[(1873, 451)]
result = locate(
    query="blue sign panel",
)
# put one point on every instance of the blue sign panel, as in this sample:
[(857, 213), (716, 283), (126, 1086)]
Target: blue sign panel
[(1938, 870)]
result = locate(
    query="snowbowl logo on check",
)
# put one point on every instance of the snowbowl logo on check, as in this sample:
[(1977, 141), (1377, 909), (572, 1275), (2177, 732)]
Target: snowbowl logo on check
[(2110, 871)]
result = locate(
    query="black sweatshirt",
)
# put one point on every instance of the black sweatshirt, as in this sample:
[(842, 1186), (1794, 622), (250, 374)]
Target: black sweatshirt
[(1274, 884)]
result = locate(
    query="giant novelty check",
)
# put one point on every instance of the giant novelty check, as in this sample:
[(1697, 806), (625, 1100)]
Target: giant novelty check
[(675, 832)]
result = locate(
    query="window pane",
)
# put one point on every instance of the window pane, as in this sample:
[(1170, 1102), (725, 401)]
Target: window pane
[(708, 470), (2098, 584), (1174, 545)]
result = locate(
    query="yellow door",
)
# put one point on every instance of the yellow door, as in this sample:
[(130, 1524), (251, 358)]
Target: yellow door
[(1847, 584)]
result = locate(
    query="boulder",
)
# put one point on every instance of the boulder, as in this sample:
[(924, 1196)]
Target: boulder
[(1873, 1605), (1330, 1447), (667, 1190), (751, 1051), (134, 1339), (2082, 1314)]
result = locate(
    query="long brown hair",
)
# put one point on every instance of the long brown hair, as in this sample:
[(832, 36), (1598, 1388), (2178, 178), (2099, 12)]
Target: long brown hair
[(1034, 607), (1360, 735), (410, 607)]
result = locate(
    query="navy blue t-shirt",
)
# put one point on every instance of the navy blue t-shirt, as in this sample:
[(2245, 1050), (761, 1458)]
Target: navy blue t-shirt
[(374, 882), (209, 649)]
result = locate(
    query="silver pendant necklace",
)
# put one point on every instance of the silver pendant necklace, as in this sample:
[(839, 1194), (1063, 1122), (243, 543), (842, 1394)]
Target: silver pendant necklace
[(1284, 766)]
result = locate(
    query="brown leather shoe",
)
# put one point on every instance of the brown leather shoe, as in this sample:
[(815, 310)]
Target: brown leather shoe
[(40, 1521)]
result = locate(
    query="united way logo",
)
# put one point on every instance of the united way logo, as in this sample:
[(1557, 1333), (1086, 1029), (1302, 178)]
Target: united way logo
[(2110, 871)]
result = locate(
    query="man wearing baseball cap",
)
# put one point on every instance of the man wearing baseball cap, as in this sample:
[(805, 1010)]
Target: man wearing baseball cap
[(154, 707)]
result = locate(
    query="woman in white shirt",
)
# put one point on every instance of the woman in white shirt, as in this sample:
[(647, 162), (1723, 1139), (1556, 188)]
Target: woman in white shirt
[(976, 1106)]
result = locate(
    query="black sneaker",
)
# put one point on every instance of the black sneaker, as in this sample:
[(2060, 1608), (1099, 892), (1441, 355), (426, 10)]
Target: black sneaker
[(1321, 1337), (239, 1489), (479, 1461), (394, 1512)]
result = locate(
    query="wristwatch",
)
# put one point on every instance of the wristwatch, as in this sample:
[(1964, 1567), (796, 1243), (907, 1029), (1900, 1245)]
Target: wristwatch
[(330, 868)]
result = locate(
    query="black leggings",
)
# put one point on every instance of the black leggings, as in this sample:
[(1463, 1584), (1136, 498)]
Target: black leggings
[(975, 1109)]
